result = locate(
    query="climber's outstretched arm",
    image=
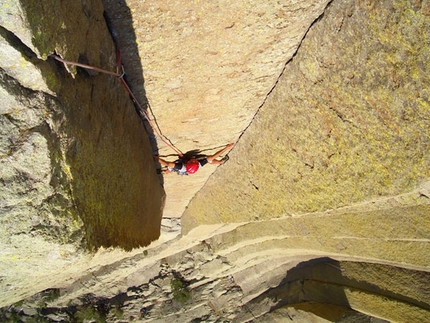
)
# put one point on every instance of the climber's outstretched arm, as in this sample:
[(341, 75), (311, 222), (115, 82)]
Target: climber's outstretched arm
[(212, 159), (166, 163)]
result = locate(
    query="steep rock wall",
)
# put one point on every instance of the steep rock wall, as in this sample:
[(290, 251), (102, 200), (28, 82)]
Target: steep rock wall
[(207, 66), (76, 164), (347, 122), (320, 267), (368, 254)]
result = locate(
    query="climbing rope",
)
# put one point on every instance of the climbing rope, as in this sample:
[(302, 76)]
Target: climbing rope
[(143, 113)]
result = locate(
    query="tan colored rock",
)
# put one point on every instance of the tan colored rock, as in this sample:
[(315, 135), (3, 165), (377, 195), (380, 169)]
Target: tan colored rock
[(334, 168), (218, 61), (347, 122), (243, 272), (207, 67)]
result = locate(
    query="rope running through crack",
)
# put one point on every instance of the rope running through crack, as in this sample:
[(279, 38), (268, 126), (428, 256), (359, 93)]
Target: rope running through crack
[(154, 127)]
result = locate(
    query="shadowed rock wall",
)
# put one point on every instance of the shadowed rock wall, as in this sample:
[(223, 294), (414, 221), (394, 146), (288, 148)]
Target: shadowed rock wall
[(76, 165)]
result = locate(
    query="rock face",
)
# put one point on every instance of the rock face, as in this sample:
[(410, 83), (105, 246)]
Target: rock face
[(322, 212), (207, 66), (76, 164), (242, 273), (347, 122)]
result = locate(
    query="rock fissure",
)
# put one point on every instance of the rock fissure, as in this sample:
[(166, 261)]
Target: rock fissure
[(321, 212), (14, 41), (279, 77)]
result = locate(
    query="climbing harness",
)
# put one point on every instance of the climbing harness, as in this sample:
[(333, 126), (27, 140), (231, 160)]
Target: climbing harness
[(142, 112)]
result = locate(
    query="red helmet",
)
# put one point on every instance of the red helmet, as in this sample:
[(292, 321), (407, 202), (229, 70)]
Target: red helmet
[(192, 166)]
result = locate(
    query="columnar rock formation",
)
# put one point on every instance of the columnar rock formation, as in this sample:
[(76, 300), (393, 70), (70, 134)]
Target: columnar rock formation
[(76, 164), (347, 122), (322, 212)]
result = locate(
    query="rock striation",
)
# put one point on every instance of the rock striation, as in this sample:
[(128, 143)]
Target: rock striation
[(258, 271)]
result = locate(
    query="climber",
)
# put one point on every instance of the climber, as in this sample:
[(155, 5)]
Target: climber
[(185, 166)]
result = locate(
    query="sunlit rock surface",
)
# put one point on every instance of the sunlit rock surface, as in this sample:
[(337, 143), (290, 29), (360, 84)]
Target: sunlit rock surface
[(322, 212), (347, 122), (207, 67)]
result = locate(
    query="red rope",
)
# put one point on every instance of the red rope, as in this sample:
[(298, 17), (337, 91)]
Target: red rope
[(85, 66), (124, 83)]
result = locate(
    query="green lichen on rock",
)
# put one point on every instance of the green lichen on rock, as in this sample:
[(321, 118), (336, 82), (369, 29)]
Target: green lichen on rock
[(108, 195), (181, 292), (102, 153), (347, 122), (59, 26)]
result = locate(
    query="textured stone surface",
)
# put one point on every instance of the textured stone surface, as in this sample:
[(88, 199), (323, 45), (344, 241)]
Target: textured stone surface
[(75, 162), (207, 68), (347, 122), (219, 60), (241, 273), (334, 167)]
